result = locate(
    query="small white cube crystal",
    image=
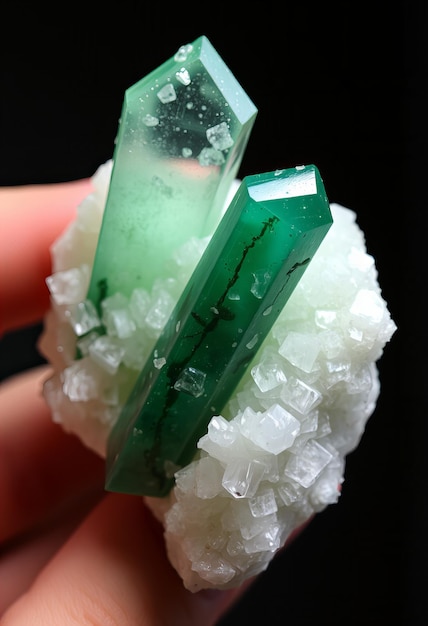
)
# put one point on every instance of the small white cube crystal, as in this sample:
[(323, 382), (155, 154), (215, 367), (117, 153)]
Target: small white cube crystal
[(300, 396), (90, 214), (185, 478), (301, 350), (263, 503), (219, 136), (221, 431), (80, 381), (305, 467), (160, 310), (274, 430), (215, 570), (368, 308), (106, 353), (267, 375), (289, 492), (208, 474), (139, 303), (251, 526), (83, 317), (268, 540), (117, 316), (69, 286), (220, 438), (242, 477)]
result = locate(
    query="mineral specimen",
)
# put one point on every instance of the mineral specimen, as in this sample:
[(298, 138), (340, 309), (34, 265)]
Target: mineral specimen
[(276, 454)]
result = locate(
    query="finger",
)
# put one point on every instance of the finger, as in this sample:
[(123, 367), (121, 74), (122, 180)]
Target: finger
[(114, 570), (31, 218), (22, 560), (42, 468)]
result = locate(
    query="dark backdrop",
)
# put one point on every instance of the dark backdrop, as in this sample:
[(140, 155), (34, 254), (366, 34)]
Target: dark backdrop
[(343, 88)]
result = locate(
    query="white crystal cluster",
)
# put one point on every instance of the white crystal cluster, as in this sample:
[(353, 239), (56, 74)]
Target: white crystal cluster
[(277, 453)]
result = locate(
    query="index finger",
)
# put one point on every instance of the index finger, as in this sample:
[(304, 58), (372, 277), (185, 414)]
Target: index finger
[(31, 218)]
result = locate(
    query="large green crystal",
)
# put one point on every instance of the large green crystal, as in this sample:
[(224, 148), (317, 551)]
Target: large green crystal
[(181, 138), (262, 246)]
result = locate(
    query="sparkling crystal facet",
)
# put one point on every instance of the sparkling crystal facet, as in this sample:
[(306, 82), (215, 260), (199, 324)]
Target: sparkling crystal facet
[(273, 227), (181, 138)]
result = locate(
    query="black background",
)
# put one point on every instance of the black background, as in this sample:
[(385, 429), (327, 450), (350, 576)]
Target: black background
[(341, 86)]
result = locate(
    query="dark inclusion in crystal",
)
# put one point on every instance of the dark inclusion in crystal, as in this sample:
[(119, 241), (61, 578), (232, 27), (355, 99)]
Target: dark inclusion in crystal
[(257, 255)]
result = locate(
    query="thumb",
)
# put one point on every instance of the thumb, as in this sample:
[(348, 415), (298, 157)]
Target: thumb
[(114, 570)]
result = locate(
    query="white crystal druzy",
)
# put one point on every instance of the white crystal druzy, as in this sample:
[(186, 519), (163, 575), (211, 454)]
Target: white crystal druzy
[(276, 455)]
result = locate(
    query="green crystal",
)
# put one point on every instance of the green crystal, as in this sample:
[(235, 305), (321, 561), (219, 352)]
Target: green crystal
[(257, 255), (181, 138)]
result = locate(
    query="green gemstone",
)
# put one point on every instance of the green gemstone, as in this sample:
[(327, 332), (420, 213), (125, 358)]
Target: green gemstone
[(262, 246), (181, 138)]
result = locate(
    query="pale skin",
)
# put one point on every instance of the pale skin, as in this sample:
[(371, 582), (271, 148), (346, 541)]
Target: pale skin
[(70, 553)]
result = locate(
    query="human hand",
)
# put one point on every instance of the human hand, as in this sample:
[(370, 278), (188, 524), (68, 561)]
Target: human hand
[(70, 553)]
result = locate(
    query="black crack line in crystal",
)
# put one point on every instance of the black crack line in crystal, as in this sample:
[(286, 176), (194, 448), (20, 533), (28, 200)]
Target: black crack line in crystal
[(223, 312), (288, 276), (245, 361), (102, 292), (176, 368), (269, 224)]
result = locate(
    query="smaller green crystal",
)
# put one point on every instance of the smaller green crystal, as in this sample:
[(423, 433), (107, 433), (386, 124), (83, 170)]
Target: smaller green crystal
[(261, 248), (182, 135)]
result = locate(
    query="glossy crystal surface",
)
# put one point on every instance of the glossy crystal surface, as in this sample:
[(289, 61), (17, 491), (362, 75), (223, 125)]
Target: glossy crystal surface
[(182, 134), (261, 248)]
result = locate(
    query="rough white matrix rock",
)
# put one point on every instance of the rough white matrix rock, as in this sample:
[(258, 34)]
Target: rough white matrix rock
[(277, 453)]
